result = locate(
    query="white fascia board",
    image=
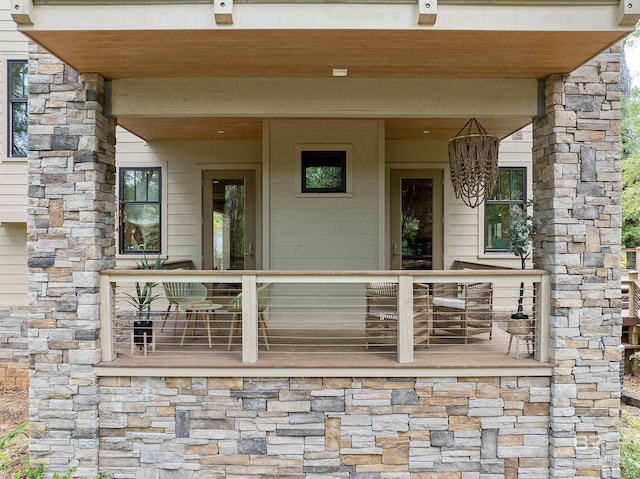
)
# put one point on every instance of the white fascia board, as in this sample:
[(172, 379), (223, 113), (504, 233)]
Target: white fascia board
[(324, 97), (13, 216), (535, 16)]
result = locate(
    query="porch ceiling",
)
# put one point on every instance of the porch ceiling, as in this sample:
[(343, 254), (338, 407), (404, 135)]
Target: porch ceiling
[(314, 53), (455, 54), (194, 129)]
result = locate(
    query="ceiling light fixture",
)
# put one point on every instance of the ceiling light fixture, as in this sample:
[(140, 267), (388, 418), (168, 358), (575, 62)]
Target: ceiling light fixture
[(340, 72)]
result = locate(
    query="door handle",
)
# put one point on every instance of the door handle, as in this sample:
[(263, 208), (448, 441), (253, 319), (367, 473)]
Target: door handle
[(250, 253), (395, 251)]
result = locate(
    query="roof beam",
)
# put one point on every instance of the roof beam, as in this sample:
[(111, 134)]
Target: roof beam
[(427, 12), (223, 12), (629, 12), (137, 15), (324, 97), (22, 11)]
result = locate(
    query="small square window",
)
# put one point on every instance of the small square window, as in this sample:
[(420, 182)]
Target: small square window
[(323, 171)]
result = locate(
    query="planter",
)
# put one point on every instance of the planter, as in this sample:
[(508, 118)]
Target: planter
[(143, 329), (519, 324)]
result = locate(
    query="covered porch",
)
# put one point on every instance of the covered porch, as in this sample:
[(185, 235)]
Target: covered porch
[(327, 320), (254, 95)]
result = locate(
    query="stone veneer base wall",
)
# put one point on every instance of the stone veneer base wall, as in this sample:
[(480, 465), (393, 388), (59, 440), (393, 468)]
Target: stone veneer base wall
[(14, 347), (356, 428)]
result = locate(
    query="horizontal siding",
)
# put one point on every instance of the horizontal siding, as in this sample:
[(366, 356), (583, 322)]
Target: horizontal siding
[(298, 264), (298, 214), (305, 306), (183, 164), (13, 264), (319, 252), (13, 190), (463, 226), (297, 224), (324, 239), (338, 228)]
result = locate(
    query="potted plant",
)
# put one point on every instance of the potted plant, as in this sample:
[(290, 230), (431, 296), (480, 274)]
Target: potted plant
[(141, 301), (520, 239)]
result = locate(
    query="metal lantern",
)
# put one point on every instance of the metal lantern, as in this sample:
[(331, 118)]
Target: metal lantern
[(473, 160)]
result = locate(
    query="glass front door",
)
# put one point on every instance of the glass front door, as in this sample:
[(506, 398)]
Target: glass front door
[(229, 220), (416, 219)]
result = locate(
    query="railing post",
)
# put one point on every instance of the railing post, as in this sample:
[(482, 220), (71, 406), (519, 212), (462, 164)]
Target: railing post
[(633, 278), (405, 319), (637, 258), (249, 319), (543, 315), (107, 317)]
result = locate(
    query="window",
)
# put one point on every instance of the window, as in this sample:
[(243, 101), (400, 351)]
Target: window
[(139, 209), (509, 193), (18, 113), (324, 171)]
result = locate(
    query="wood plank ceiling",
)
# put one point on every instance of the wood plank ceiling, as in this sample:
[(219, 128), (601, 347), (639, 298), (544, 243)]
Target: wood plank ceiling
[(315, 53)]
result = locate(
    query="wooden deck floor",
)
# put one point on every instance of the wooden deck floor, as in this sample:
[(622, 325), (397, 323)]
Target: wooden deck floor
[(322, 349)]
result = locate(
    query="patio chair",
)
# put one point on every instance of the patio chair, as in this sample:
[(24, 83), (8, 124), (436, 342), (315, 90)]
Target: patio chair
[(192, 298), (173, 303), (381, 322), (468, 314), (235, 307)]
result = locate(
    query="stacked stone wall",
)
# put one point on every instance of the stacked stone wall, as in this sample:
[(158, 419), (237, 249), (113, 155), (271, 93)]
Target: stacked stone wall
[(14, 354), (577, 185), (356, 428), (70, 238)]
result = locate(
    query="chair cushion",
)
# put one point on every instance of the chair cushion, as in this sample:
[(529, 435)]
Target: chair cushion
[(384, 315), (453, 303)]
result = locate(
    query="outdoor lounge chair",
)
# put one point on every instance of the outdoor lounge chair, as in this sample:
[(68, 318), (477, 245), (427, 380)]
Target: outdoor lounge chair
[(467, 314), (381, 320)]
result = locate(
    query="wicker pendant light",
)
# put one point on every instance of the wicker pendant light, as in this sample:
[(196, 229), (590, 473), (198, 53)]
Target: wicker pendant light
[(473, 159)]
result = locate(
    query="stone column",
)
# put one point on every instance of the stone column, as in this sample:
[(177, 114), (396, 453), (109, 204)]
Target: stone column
[(70, 238), (576, 176)]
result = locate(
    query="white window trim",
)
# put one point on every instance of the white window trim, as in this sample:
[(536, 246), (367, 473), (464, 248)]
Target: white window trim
[(503, 255), (4, 108)]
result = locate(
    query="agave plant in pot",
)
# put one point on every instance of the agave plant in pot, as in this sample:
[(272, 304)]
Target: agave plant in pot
[(520, 239), (142, 301)]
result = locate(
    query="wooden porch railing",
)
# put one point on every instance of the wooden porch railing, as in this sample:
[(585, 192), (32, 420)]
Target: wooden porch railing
[(321, 312), (630, 259)]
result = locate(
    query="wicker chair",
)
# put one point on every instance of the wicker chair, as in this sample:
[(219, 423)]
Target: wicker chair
[(465, 315), (381, 322)]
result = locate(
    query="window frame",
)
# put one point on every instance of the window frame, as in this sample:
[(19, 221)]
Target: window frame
[(122, 203), (314, 159), (299, 191), (489, 202), (10, 131)]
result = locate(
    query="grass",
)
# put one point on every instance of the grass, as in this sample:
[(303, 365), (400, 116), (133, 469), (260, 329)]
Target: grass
[(629, 447), (17, 466)]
